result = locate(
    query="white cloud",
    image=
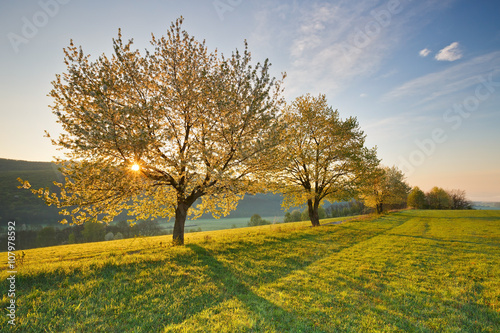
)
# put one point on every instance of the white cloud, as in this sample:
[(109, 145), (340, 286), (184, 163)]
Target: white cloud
[(338, 42), (331, 44), (325, 49), (363, 95), (450, 80), (450, 53), (425, 52)]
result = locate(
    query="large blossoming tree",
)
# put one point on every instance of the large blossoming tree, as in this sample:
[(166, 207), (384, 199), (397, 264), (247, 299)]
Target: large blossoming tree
[(168, 133)]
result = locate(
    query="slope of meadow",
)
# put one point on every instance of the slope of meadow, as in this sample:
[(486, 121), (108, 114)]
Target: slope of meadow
[(411, 271)]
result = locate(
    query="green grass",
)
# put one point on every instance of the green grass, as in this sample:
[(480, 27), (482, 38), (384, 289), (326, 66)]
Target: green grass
[(412, 271)]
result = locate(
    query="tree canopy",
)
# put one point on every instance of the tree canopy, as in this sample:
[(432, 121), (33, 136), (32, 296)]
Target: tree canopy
[(386, 187), (438, 198), (416, 198), (459, 200), (152, 133), (321, 155)]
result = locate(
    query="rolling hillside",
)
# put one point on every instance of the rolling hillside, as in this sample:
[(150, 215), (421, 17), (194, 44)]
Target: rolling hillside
[(412, 271)]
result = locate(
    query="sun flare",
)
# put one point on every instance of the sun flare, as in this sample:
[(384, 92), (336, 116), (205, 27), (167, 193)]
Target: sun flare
[(135, 167)]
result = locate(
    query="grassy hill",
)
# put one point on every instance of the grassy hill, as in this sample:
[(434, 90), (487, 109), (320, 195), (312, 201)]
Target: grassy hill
[(412, 271)]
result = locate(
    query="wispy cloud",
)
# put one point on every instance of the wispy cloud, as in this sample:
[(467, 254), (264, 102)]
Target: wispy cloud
[(388, 74), (448, 81), (450, 53), (389, 126), (425, 52), (333, 43)]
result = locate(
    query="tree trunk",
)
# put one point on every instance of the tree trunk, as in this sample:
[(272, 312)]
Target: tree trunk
[(313, 212), (379, 208), (180, 221)]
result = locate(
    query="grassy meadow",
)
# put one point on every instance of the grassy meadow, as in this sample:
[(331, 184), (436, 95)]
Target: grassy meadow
[(410, 271)]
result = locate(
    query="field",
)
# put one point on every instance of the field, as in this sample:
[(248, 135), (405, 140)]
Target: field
[(410, 271), (210, 224)]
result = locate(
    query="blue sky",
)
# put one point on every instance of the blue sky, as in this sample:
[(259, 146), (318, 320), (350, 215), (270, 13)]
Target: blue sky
[(422, 77)]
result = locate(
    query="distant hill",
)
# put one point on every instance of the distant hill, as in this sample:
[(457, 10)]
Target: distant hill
[(488, 205), (25, 208), (19, 165), (21, 205), (262, 204)]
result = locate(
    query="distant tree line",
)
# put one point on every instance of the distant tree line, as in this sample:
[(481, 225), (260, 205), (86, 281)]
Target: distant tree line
[(350, 208), (256, 220), (336, 209), (438, 198)]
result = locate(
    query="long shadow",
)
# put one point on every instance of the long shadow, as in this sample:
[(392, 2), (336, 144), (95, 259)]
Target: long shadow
[(175, 308), (344, 237), (260, 306), (117, 283), (447, 240), (454, 215), (408, 311)]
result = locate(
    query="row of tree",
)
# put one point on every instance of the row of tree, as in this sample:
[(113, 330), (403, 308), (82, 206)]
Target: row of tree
[(338, 209), (350, 208), (387, 189), (438, 198), (182, 131)]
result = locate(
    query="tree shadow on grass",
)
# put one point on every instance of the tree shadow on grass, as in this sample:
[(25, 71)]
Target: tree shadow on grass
[(107, 292), (113, 297), (268, 315), (257, 262), (450, 241), (416, 310)]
